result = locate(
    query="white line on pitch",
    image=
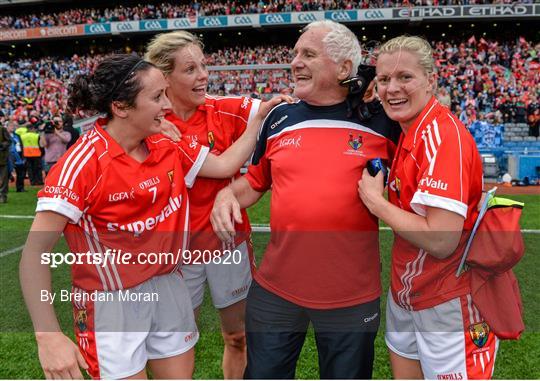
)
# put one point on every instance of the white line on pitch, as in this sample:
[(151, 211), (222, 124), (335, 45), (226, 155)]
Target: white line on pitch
[(11, 251), (257, 228)]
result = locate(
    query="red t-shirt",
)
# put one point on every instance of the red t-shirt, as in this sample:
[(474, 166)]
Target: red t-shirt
[(324, 250), (216, 124), (437, 165), (115, 202)]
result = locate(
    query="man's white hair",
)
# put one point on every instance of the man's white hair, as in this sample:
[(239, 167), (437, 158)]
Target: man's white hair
[(340, 42)]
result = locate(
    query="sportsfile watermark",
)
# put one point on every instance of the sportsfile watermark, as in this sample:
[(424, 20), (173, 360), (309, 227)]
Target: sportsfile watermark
[(120, 257), (336, 272)]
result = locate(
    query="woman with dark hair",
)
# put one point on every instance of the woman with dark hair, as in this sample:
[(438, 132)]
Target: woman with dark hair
[(119, 195)]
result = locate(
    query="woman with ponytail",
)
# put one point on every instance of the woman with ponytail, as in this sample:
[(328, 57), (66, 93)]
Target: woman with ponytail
[(119, 196)]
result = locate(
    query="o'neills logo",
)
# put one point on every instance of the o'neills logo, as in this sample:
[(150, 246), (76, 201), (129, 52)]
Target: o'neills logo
[(149, 182), (190, 337), (434, 184), (240, 290), (61, 191), (450, 376), (274, 125), (150, 223)]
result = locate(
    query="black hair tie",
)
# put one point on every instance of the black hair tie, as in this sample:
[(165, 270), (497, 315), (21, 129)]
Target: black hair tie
[(129, 74)]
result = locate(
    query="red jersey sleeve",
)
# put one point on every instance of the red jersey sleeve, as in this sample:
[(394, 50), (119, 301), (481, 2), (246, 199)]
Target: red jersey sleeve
[(259, 174), (235, 113), (192, 156), (444, 177), (71, 182)]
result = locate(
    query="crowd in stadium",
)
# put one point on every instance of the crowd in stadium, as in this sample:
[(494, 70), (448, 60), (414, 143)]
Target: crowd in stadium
[(245, 55), (209, 8), (36, 88), (141, 97), (478, 79)]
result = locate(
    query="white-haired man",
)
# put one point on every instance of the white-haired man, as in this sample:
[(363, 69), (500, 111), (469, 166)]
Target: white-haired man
[(322, 262)]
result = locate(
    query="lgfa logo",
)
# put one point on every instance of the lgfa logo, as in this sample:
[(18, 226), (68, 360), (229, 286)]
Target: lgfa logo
[(293, 142), (121, 196), (194, 141)]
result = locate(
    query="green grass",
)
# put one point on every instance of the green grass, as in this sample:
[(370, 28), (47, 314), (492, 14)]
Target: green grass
[(18, 355)]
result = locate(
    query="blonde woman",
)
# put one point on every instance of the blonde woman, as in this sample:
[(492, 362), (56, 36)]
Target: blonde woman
[(433, 329), (215, 122)]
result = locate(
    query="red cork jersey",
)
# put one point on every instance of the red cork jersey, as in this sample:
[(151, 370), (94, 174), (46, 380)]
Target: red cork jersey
[(216, 124), (324, 250), (116, 204), (437, 165)]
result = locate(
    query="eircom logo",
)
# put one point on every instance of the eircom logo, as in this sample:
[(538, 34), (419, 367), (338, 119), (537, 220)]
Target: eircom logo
[(340, 16)]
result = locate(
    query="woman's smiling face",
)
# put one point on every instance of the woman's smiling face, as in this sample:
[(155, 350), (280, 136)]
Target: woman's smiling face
[(403, 86)]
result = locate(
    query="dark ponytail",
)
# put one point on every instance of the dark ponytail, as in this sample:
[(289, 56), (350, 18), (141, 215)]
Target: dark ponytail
[(114, 79), (80, 96)]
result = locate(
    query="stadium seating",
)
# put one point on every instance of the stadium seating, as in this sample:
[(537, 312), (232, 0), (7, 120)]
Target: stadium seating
[(491, 85), (202, 8)]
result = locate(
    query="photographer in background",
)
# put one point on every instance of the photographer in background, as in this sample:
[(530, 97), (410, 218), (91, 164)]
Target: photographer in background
[(55, 140), (31, 150)]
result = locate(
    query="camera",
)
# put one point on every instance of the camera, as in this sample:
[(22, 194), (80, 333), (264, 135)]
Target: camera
[(358, 86), (49, 127), (359, 83)]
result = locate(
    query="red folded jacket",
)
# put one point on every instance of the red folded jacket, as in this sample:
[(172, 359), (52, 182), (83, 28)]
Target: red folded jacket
[(497, 247)]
